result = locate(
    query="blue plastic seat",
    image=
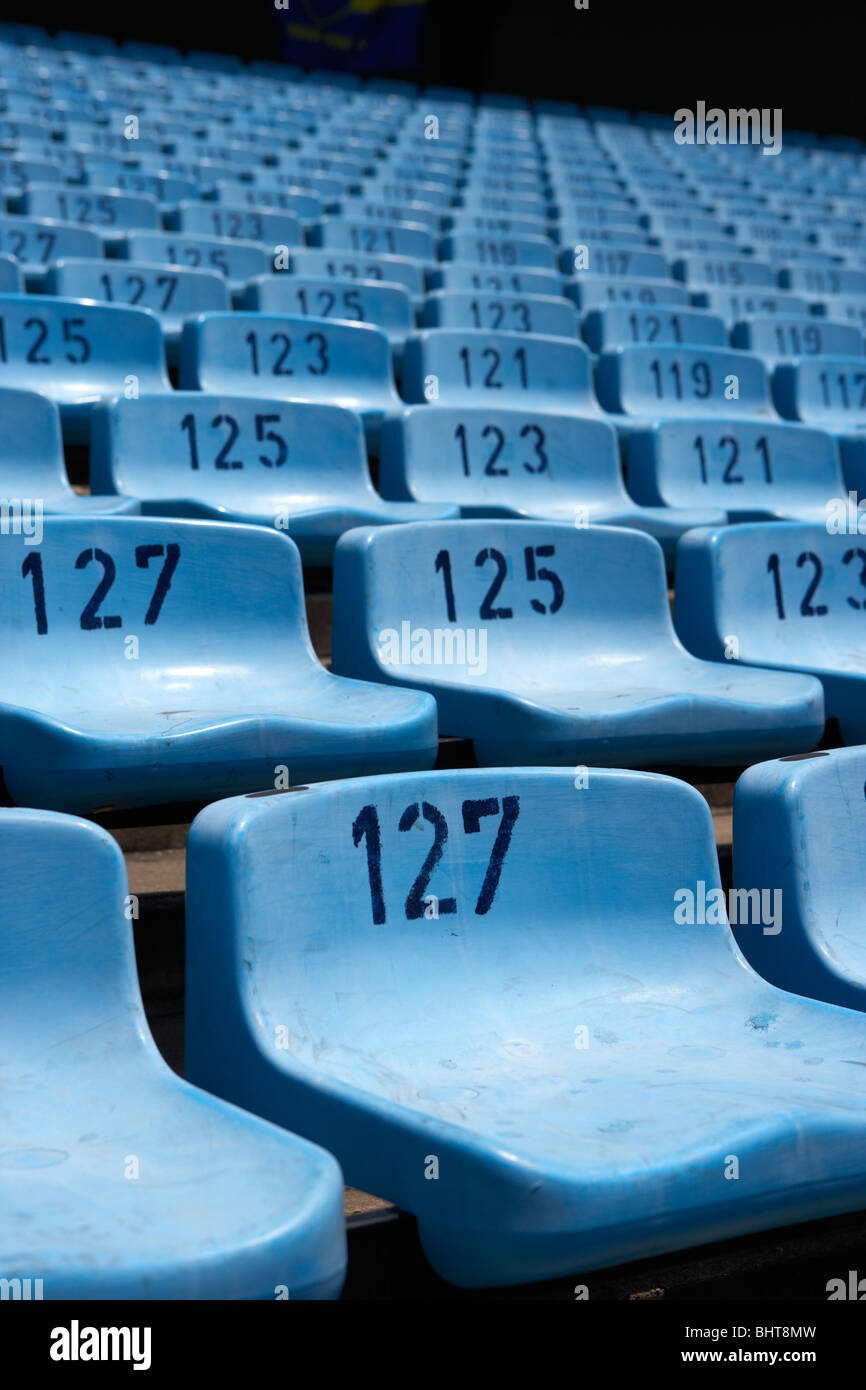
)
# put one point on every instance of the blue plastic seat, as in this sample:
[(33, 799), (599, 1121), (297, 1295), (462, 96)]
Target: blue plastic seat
[(621, 324), (514, 463), (374, 238), (470, 367), (562, 647), (786, 336), (108, 210), (344, 265), (289, 357), (661, 382), (298, 467), (826, 391), (733, 305), (499, 252), (78, 352), (615, 259), (515, 313), (469, 275), (386, 306), (34, 242), (32, 468), (237, 261), (821, 280), (753, 470), (792, 594), (799, 840), (119, 1180), (237, 222), (551, 1090), (730, 272), (187, 671), (597, 291), (172, 293)]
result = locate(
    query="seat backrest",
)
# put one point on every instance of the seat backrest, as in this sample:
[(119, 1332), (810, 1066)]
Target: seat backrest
[(740, 465), (287, 356), (508, 877), (732, 304), (348, 265), (65, 947), (229, 451), (106, 209), (469, 366), (77, 351), (36, 241), (265, 225), (515, 313), (787, 336), (828, 391), (167, 290), (499, 251), (413, 601), (800, 831), (31, 446), (497, 457), (201, 599), (729, 272), (597, 291), (237, 261), (625, 323), (469, 275), (388, 307), (660, 382), (791, 594), (403, 238)]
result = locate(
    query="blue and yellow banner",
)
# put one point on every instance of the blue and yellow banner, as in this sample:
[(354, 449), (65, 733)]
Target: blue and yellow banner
[(353, 35)]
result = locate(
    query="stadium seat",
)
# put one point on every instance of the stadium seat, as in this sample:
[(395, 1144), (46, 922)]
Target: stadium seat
[(753, 470), (657, 383), (621, 324), (236, 222), (238, 261), (172, 293), (68, 350), (187, 670), (386, 306), (470, 366), (791, 595), (498, 252), (786, 336), (555, 646), (515, 313), (289, 357), (344, 265), (119, 1180), (798, 834), (34, 242), (533, 1087), (596, 291), (298, 467), (469, 275), (32, 469), (106, 210), (374, 238), (827, 391), (513, 463)]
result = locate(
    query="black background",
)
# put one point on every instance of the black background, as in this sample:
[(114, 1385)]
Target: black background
[(807, 59)]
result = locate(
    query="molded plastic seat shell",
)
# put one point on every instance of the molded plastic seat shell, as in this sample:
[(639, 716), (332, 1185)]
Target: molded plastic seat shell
[(221, 1205), (150, 661), (579, 1080), (544, 643)]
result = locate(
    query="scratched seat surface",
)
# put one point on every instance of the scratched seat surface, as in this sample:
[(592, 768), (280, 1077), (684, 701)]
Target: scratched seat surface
[(545, 643), (516, 463), (68, 350), (295, 466), (525, 1080), (290, 357), (756, 470), (187, 670), (791, 594), (31, 459), (800, 832), (117, 1178)]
